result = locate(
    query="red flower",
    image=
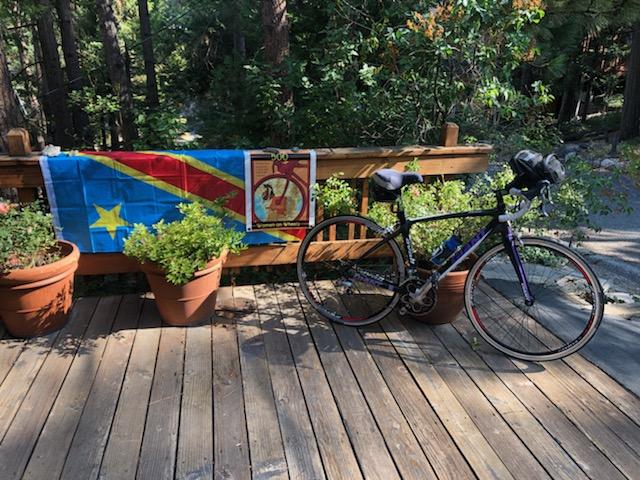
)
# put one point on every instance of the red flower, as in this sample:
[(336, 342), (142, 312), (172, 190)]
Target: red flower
[(4, 208)]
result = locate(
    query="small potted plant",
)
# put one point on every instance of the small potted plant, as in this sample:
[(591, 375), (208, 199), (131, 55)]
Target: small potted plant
[(183, 261), (433, 199), (36, 271)]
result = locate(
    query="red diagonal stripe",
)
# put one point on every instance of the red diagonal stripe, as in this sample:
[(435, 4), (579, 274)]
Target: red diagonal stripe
[(180, 175)]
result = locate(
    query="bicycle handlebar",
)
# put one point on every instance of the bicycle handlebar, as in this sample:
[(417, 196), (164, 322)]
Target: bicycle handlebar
[(525, 206)]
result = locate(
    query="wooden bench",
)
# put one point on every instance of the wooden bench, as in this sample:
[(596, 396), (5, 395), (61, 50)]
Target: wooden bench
[(22, 172)]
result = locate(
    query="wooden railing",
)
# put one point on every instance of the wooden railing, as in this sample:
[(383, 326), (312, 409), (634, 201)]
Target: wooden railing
[(22, 171)]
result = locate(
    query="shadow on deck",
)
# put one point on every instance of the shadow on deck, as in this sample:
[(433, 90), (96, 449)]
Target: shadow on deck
[(274, 391)]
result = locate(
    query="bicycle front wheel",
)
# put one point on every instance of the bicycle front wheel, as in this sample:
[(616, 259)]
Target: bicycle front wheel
[(566, 311), (348, 272)]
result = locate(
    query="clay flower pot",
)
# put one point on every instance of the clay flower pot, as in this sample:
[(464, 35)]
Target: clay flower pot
[(36, 301), (450, 300), (188, 304)]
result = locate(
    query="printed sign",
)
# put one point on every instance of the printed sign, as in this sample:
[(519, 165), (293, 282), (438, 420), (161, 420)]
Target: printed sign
[(278, 190)]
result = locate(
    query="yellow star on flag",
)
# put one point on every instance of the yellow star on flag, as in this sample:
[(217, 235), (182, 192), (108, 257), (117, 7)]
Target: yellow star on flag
[(109, 219)]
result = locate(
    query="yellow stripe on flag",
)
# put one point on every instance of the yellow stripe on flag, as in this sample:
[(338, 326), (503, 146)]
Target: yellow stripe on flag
[(178, 192), (203, 166)]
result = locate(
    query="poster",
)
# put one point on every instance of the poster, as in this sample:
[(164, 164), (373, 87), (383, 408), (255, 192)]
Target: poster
[(278, 190)]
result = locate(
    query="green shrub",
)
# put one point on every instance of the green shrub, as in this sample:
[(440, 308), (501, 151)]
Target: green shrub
[(27, 237), (185, 246), (335, 195), (427, 200), (631, 154), (577, 200)]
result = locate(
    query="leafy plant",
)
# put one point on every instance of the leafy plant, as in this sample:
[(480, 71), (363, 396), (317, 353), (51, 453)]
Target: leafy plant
[(185, 246), (583, 195), (162, 130), (335, 195), (631, 153), (27, 237), (577, 200)]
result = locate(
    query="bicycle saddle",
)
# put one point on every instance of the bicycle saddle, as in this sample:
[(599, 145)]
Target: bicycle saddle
[(392, 180)]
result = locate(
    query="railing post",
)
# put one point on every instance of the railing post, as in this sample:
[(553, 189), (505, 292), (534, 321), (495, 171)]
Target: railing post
[(19, 145), (449, 135), (19, 142)]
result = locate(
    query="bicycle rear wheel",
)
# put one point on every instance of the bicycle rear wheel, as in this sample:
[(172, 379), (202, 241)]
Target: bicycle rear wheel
[(344, 282), (564, 316)]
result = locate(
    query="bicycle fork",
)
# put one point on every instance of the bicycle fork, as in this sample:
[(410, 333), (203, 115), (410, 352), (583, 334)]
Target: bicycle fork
[(510, 240)]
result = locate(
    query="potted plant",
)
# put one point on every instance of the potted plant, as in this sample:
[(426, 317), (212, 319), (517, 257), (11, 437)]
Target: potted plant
[(183, 261), (36, 271), (433, 199)]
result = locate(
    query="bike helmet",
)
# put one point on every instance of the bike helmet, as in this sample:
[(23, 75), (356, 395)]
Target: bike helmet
[(530, 168)]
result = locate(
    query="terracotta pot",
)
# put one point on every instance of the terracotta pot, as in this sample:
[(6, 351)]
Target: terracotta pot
[(450, 300), (188, 304), (35, 301)]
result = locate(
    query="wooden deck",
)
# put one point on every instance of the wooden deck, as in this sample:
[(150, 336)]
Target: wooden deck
[(277, 392)]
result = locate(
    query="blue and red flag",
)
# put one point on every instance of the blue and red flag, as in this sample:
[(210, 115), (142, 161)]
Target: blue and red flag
[(97, 197)]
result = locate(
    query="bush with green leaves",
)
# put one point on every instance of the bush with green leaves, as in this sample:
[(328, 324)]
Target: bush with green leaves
[(27, 237), (423, 200), (184, 246), (631, 154), (335, 195), (582, 196)]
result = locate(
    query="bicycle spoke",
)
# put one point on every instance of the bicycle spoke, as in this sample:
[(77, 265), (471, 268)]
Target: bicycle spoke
[(561, 314)]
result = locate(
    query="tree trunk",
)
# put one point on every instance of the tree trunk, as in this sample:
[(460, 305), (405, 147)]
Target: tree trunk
[(57, 91), (34, 115), (276, 49), (116, 69), (72, 62), (147, 52), (630, 125), (42, 89), (276, 30), (10, 114)]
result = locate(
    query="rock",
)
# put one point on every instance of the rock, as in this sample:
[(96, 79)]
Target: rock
[(621, 297), (610, 163), (569, 150)]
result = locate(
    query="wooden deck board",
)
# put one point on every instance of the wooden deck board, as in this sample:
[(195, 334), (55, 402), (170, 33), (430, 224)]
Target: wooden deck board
[(265, 441), (301, 447), (367, 440), (277, 393), (584, 452), (335, 449), (460, 357), (51, 450), (87, 447), (123, 447), (23, 434), (160, 440), (195, 439)]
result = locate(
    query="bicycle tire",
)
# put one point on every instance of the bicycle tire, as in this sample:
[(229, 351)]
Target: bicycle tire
[(307, 285), (545, 333)]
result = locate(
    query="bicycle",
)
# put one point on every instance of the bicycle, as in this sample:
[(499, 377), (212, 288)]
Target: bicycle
[(529, 297)]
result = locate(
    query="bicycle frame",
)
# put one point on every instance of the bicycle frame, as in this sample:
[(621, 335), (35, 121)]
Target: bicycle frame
[(495, 225)]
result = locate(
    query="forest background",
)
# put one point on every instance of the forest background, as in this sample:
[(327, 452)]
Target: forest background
[(139, 74)]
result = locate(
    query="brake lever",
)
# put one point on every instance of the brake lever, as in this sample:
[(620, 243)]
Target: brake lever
[(547, 204)]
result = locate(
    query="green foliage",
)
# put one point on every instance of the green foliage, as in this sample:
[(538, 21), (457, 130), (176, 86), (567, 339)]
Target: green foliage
[(335, 195), (185, 246), (427, 200), (577, 200), (162, 130), (631, 154), (27, 237), (582, 196)]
